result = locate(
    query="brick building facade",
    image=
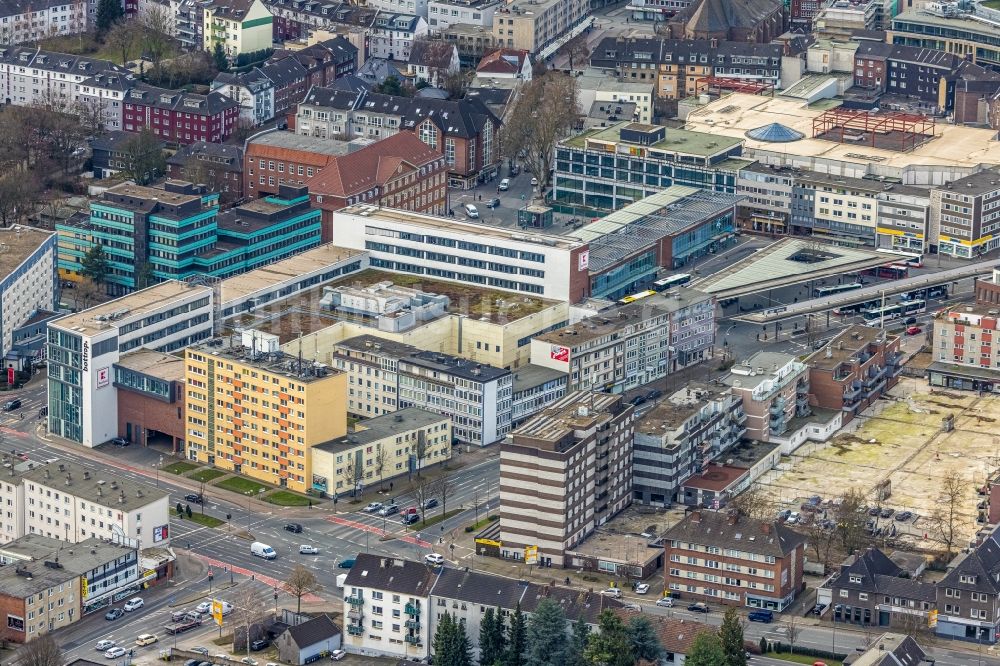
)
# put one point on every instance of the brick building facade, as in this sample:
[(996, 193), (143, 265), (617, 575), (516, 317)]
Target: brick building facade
[(180, 117), (151, 398)]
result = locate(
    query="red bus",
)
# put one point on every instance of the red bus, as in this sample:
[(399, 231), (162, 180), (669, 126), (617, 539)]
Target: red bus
[(889, 272)]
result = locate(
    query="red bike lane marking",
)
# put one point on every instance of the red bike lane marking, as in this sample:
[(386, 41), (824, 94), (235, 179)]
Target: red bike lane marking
[(375, 530), (273, 582)]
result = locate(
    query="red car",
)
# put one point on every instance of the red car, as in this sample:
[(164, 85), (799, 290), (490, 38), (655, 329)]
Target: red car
[(914, 330)]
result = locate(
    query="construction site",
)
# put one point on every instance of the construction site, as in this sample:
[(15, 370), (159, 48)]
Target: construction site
[(899, 454)]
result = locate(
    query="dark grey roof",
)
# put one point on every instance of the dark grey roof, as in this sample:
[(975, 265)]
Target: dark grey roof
[(610, 51), (377, 70), (380, 427), (723, 15), (350, 83), (456, 366), (983, 563), (253, 79), (480, 588), (210, 104), (878, 574), (112, 141), (57, 62), (337, 99), (373, 343), (430, 92), (713, 528), (576, 604), (284, 72), (905, 588), (391, 574), (775, 133), (228, 157), (529, 376), (495, 96), (313, 631)]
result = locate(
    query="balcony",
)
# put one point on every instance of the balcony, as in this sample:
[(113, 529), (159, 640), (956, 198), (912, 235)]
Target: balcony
[(875, 388), (852, 391), (355, 630), (412, 624), (412, 640), (802, 387), (355, 600), (412, 609), (354, 614), (894, 359), (801, 401)]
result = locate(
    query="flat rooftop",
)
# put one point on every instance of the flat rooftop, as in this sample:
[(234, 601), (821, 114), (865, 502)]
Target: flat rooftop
[(575, 411), (623, 548), (29, 578), (770, 362), (597, 81), (716, 478), (672, 411), (260, 279), (151, 299), (456, 366), (380, 427), (844, 346), (309, 144), (531, 375), (732, 116), (99, 488), (787, 261), (278, 363), (155, 364), (149, 193), (16, 244), (701, 143), (373, 343)]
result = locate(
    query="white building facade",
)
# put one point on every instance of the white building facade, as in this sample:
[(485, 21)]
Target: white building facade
[(29, 285)]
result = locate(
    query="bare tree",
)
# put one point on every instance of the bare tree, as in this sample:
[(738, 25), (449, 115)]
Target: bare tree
[(353, 473), (422, 493), (123, 38), (753, 503), (248, 604), (156, 26), (792, 630), (576, 49), (821, 540), (92, 115), (420, 451), (301, 582), (381, 458), (544, 113), (43, 651), (948, 519), (852, 517), (442, 488), (18, 195)]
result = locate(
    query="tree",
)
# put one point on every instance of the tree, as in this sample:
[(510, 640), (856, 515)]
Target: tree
[(248, 603), (17, 195), (753, 503), (821, 540), (144, 277), (121, 39), (380, 459), (187, 510), (544, 113), (546, 636), (301, 582), (143, 157), (610, 646), (95, 264), (491, 638), (441, 488), (390, 86), (219, 56), (947, 520), (43, 651), (451, 644), (792, 631), (643, 640), (514, 654), (353, 472), (576, 50), (851, 520), (577, 649), (420, 451), (108, 11), (706, 650), (731, 637), (455, 84), (421, 493), (155, 26)]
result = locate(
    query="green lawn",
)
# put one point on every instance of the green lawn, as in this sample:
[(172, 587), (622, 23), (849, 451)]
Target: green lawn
[(482, 523), (238, 484), (206, 520), (803, 659), (434, 520), (286, 498), (991, 4), (207, 475), (180, 467)]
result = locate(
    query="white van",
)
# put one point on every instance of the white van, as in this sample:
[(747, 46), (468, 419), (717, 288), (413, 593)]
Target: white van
[(262, 550), (471, 211), (504, 184), (341, 579)]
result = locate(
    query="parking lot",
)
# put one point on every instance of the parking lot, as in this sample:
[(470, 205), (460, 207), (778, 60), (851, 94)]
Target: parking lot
[(900, 441)]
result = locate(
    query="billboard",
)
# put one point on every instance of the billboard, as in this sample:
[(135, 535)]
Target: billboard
[(559, 353), (160, 533), (583, 261), (103, 377), (217, 611), (531, 554)]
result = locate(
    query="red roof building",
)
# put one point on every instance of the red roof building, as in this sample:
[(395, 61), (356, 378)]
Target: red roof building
[(180, 117), (505, 64)]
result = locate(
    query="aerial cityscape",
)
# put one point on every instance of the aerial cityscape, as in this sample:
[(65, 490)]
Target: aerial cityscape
[(500, 332)]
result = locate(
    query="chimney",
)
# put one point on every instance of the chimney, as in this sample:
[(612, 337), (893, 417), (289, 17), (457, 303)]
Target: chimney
[(765, 528), (732, 516), (696, 516)]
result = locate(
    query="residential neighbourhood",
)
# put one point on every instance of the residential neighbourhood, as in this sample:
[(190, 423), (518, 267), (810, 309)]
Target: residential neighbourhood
[(536, 332)]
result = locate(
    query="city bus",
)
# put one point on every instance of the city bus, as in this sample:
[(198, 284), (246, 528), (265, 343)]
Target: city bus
[(671, 281), (937, 291), (820, 292), (911, 260), (855, 308), (889, 272), (637, 297), (895, 311)]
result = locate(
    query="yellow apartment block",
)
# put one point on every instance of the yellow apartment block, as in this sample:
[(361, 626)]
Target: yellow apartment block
[(260, 413), (382, 448)]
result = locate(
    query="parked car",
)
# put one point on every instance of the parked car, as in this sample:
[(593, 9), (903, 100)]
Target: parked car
[(145, 639), (249, 661), (337, 655), (434, 558), (200, 650), (504, 184), (815, 500), (793, 517), (308, 550), (613, 592), (194, 498), (914, 330), (346, 564), (11, 405), (638, 400), (764, 616), (294, 528), (114, 614), (430, 503), (534, 182), (388, 510), (874, 511), (104, 645), (642, 588), (784, 514), (887, 513), (665, 602), (259, 645), (115, 652), (654, 394), (132, 604), (904, 516), (373, 507), (120, 441), (818, 609), (698, 607)]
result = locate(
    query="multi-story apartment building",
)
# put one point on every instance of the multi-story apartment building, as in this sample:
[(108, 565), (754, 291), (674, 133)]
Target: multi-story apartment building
[(854, 369), (33, 22), (442, 14), (380, 449), (464, 131), (217, 165), (965, 215), (680, 68), (632, 345), (774, 388), (175, 232), (477, 397), (268, 438), (415, 7), (680, 437), (535, 387), (393, 35), (83, 347), (252, 90), (180, 117), (767, 203), (275, 158), (964, 354), (37, 598), (903, 216), (75, 84), (844, 209), (68, 502), (723, 557), (372, 368), (951, 31), (553, 267), (387, 607), (608, 168), (968, 595), (27, 278), (532, 26), (241, 26), (328, 60), (563, 473)]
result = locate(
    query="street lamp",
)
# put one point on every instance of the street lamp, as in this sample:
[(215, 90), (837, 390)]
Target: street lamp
[(158, 466)]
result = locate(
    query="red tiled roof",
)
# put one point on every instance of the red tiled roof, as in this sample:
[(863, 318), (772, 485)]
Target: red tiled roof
[(373, 165), (499, 62), (676, 635)]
